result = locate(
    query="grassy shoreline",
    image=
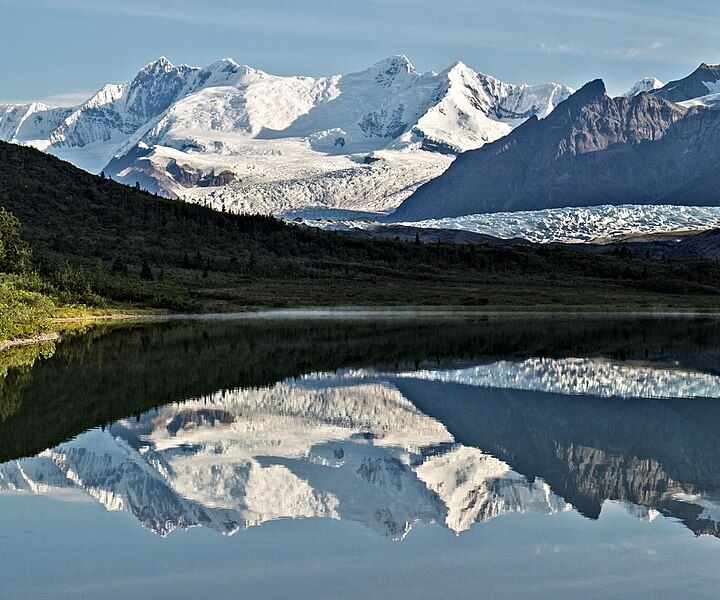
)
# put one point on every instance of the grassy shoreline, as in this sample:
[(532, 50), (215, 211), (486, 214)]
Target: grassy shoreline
[(69, 320)]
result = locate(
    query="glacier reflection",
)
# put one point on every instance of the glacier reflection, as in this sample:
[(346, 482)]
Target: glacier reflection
[(583, 376), (390, 449)]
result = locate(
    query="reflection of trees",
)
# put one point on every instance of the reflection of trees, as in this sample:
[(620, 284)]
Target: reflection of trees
[(112, 372), (15, 372)]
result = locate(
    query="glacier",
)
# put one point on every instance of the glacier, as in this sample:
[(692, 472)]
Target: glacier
[(594, 224)]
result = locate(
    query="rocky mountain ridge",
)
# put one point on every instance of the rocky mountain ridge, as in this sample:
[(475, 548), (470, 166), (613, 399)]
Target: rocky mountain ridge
[(591, 150)]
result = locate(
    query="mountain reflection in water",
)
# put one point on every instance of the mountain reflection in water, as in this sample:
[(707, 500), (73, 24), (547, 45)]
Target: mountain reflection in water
[(438, 423)]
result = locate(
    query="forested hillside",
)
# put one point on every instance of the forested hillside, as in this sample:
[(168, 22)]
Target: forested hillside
[(93, 237)]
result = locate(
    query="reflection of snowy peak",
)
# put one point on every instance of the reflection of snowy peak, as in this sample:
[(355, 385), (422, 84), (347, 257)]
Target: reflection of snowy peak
[(357, 452), (476, 487), (232, 127)]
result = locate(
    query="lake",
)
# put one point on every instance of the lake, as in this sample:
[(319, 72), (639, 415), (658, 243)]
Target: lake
[(331, 455)]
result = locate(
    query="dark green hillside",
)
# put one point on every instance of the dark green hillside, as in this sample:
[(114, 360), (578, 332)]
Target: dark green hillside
[(92, 236)]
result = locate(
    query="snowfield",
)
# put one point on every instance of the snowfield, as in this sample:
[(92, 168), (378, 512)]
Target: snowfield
[(234, 136), (299, 178), (597, 224)]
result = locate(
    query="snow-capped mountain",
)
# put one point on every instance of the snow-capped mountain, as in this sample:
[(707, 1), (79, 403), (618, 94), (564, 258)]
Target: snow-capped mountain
[(591, 150), (702, 81), (646, 84), (234, 136)]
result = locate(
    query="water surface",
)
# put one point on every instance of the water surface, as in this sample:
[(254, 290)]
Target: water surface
[(443, 455)]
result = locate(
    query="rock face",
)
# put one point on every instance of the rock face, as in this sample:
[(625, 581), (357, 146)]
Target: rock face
[(702, 81), (591, 150)]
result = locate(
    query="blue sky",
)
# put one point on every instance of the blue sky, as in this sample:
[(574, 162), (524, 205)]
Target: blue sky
[(64, 49)]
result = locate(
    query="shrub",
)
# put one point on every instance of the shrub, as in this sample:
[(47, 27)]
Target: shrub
[(24, 311)]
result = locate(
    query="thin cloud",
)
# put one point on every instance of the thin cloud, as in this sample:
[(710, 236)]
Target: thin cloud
[(556, 48), (68, 98), (646, 51), (63, 99)]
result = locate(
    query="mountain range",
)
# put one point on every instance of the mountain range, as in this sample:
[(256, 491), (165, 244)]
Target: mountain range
[(657, 147), (233, 136), (238, 139)]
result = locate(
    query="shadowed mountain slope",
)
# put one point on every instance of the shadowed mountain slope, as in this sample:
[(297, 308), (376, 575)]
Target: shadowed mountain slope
[(591, 150)]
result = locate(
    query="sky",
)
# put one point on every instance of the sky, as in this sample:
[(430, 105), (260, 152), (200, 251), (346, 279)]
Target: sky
[(61, 51)]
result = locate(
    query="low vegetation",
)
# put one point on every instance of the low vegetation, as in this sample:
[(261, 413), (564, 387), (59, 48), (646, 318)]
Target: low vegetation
[(25, 307)]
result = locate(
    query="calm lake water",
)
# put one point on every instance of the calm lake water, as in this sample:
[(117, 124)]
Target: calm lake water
[(442, 456)]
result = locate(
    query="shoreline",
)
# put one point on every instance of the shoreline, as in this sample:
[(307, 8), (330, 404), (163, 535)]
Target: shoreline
[(39, 339), (359, 313)]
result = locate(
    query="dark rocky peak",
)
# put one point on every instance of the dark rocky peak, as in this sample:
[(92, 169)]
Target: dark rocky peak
[(702, 81), (592, 90), (591, 93)]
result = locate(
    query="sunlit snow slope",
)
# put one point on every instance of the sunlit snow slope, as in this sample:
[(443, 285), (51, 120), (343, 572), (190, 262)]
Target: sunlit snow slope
[(236, 137)]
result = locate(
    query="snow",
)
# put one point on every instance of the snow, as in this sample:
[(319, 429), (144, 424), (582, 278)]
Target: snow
[(712, 86), (597, 224), (710, 101), (288, 142), (710, 506), (300, 178), (343, 445), (647, 84)]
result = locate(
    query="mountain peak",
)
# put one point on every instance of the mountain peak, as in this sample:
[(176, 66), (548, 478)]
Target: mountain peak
[(700, 82), (461, 68), (228, 65), (161, 64), (590, 92), (228, 62), (388, 69), (398, 60), (596, 87), (646, 84)]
